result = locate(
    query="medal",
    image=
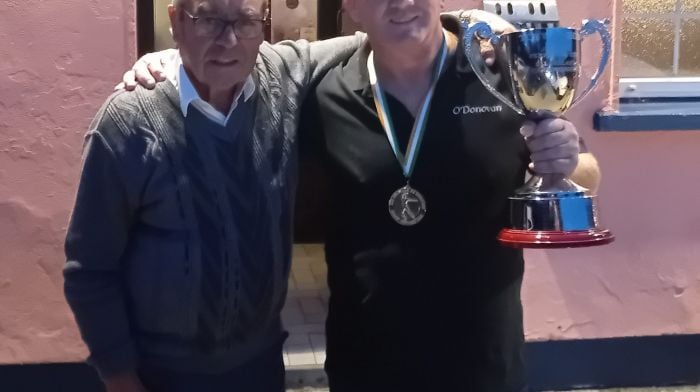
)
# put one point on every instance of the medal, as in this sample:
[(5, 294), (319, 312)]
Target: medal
[(406, 206)]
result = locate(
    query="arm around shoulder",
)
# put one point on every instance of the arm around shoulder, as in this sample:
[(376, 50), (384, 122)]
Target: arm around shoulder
[(312, 60)]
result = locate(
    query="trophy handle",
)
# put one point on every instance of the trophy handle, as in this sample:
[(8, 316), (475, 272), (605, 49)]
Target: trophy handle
[(591, 27), (477, 32)]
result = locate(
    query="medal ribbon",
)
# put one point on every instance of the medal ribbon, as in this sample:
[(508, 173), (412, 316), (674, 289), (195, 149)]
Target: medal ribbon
[(407, 162)]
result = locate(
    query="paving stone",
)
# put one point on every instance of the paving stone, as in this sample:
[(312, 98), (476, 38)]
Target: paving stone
[(306, 328), (292, 314), (315, 250), (302, 275), (319, 270), (299, 251), (312, 305), (318, 344), (299, 350)]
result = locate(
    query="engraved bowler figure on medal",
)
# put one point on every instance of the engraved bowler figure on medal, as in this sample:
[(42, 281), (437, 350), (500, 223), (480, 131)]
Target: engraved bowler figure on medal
[(407, 206), (541, 67)]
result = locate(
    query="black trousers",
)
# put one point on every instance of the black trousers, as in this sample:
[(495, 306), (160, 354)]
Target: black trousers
[(262, 374), (363, 383)]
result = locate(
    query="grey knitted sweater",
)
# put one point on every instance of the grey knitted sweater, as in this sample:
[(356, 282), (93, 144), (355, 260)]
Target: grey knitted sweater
[(135, 246)]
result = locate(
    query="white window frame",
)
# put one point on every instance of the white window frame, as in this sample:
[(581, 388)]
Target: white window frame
[(663, 87), (666, 87)]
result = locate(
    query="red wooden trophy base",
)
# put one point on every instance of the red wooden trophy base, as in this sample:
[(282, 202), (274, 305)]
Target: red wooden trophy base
[(555, 239)]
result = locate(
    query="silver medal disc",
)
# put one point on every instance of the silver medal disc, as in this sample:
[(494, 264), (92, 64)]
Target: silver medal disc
[(407, 206)]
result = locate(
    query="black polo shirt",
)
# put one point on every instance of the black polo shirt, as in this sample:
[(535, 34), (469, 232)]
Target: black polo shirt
[(435, 305)]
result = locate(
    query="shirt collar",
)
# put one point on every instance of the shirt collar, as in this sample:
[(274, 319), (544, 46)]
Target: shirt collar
[(188, 93)]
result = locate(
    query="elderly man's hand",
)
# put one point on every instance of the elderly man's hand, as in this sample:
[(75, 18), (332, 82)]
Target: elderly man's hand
[(553, 144), (149, 69)]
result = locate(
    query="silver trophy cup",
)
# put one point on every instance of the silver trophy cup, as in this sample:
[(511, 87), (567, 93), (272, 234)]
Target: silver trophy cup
[(541, 68)]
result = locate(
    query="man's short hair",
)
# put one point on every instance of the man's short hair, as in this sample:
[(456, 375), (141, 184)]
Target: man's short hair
[(265, 10)]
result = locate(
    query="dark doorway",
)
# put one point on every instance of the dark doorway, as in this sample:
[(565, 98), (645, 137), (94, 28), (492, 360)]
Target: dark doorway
[(329, 23), (145, 32), (313, 191)]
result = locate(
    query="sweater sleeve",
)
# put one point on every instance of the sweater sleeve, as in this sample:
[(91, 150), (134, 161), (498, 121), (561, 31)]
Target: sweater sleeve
[(96, 238), (307, 62)]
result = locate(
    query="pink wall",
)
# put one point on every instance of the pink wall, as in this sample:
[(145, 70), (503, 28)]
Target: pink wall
[(648, 281), (59, 60)]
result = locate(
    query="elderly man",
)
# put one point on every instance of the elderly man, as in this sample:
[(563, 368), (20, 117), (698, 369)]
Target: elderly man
[(179, 245)]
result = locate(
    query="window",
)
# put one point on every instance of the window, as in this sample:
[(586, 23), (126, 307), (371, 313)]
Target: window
[(660, 49)]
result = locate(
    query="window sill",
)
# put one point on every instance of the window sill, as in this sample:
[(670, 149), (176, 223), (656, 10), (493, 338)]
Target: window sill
[(648, 116)]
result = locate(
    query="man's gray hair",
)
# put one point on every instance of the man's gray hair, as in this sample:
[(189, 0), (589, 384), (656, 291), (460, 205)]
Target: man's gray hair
[(265, 5)]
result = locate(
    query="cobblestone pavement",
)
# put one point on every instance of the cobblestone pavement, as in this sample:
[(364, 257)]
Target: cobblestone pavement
[(304, 314)]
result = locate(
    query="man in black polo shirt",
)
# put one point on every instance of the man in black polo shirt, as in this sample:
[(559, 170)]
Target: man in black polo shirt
[(423, 297)]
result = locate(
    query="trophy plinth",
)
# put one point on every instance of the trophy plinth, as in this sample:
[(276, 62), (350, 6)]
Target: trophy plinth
[(541, 67), (553, 213)]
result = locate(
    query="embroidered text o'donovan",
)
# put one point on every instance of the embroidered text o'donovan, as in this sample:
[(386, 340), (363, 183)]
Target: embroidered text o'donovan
[(467, 109)]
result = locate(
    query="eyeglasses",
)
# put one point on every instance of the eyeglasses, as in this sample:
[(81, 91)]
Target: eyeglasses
[(212, 27)]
